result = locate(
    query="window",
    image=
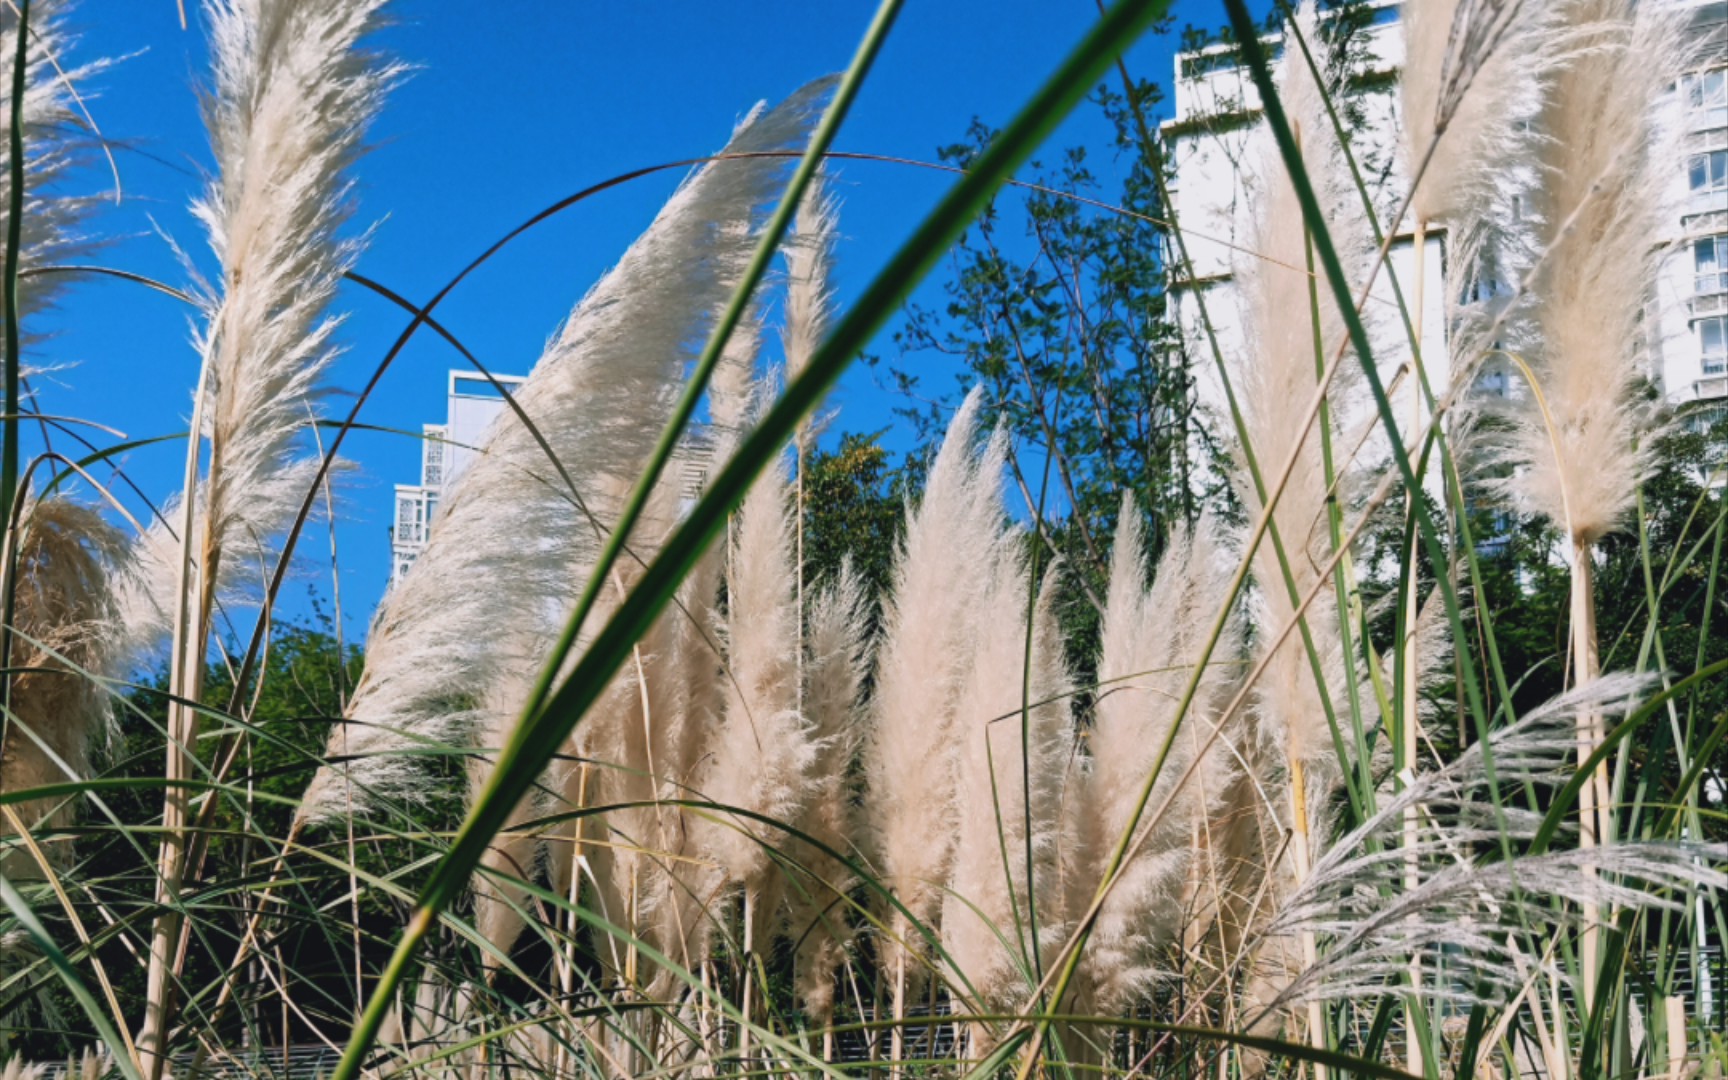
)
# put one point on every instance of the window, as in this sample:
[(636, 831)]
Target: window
[(432, 459), (481, 386), (1194, 67), (1705, 90), (1708, 172), (411, 517), (1705, 419), (1710, 265), (1713, 340)]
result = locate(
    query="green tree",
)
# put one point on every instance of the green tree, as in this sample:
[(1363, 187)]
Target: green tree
[(316, 924), (1058, 304), (1059, 310), (853, 507)]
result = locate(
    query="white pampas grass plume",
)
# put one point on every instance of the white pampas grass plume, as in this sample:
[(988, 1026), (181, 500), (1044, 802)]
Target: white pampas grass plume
[(1583, 432), (809, 289), (54, 125), (1151, 642), (293, 93), (647, 739), (63, 648), (599, 396), (1471, 82), (19, 1069), (91, 1064), (941, 581), (736, 392), (764, 751), (499, 902), (817, 919), (1014, 730), (1293, 328)]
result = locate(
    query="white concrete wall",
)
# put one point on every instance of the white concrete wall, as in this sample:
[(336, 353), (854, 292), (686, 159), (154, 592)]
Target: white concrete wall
[(473, 404)]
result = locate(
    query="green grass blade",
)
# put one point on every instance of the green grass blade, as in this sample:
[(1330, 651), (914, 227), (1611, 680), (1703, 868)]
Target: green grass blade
[(87, 1001), (545, 733), (14, 250), (685, 409)]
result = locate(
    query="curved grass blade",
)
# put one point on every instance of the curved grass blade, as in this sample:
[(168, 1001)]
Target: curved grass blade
[(541, 736), (86, 1000), (14, 250)]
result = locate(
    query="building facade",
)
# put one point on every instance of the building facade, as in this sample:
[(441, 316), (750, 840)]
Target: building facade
[(1692, 295), (472, 402), (1213, 148)]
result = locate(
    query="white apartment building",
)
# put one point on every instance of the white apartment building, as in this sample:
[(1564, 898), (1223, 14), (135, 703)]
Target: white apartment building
[(1214, 153), (1692, 295), (472, 402)]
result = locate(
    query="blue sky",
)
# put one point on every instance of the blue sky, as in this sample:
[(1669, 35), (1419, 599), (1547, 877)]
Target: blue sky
[(511, 106)]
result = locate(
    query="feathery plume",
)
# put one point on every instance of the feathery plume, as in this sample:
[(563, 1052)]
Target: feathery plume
[(834, 678), (645, 742), (1471, 83), (735, 391), (53, 219), (942, 579), (68, 558), (1278, 374), (293, 94), (1293, 327), (1581, 435), (63, 648), (91, 1064), (498, 902), (1584, 432), (1008, 790), (763, 752), (1465, 898), (1474, 79), (17, 1068), (1151, 641), (809, 289), (599, 396)]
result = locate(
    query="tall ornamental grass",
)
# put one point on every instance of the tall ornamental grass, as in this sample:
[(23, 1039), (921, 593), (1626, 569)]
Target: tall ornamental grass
[(630, 786)]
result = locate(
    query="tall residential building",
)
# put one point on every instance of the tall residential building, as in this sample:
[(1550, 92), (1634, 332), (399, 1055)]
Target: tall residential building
[(1693, 292), (1214, 152), (472, 403)]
